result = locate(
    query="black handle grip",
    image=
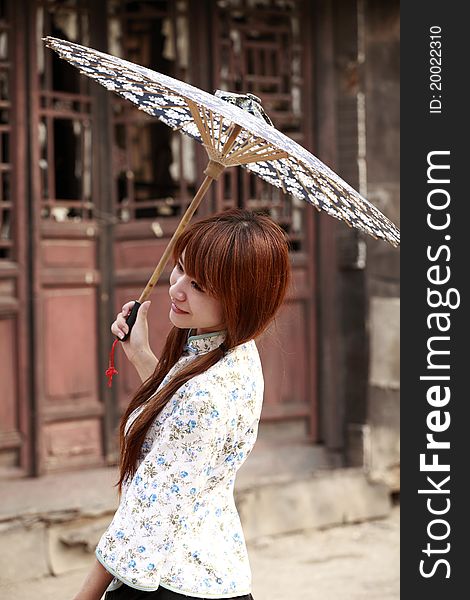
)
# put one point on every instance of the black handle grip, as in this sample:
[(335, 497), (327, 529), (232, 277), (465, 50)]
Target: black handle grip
[(131, 319)]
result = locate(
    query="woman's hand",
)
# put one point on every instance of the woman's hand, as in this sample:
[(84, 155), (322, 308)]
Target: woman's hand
[(136, 347), (139, 337)]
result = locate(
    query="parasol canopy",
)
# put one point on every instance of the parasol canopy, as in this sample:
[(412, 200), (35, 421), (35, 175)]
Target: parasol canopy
[(234, 130)]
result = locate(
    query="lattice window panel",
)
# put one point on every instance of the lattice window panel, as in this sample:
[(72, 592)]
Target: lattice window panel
[(6, 200), (65, 125), (153, 166), (257, 50)]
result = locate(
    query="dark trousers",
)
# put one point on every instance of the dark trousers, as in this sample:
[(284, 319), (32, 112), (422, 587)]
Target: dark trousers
[(127, 593)]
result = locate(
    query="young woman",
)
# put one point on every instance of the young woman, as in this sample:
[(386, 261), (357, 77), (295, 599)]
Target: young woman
[(194, 420)]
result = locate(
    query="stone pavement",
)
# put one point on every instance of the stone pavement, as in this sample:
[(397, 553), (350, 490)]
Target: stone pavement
[(348, 562)]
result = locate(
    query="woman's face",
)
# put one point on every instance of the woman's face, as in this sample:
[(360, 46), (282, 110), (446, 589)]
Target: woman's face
[(192, 307)]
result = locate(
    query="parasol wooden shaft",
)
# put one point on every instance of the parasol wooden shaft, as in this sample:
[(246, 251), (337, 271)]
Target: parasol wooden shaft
[(179, 230)]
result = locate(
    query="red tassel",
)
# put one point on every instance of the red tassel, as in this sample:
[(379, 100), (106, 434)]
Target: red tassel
[(111, 370)]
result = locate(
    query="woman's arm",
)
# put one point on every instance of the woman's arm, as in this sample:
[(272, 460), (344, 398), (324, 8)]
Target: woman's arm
[(145, 363), (137, 347), (95, 583)]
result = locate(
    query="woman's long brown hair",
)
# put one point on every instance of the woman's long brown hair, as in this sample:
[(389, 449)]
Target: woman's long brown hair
[(242, 259)]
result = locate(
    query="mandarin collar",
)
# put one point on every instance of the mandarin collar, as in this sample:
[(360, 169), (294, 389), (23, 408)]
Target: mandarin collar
[(205, 342)]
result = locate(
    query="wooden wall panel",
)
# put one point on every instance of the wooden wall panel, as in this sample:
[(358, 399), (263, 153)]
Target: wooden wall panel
[(140, 253), (70, 345), (71, 444), (287, 362), (69, 253), (8, 371)]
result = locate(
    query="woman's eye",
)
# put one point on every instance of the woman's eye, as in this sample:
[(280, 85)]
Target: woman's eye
[(196, 287)]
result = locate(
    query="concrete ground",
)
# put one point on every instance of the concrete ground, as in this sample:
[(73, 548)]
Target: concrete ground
[(349, 562)]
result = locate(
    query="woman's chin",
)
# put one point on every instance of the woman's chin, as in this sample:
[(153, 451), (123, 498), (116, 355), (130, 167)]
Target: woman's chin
[(177, 321)]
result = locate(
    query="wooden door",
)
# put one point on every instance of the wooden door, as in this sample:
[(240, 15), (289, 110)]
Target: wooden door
[(15, 415), (154, 177), (92, 191), (265, 50), (65, 211)]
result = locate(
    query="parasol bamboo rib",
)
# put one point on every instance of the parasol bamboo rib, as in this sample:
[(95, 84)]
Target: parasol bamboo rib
[(254, 157), (230, 141), (221, 128), (199, 124), (247, 147)]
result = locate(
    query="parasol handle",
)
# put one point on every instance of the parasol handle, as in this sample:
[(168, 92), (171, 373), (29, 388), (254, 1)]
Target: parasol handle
[(131, 319)]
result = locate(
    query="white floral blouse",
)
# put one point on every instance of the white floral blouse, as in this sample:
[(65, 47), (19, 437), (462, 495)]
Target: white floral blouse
[(177, 525)]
